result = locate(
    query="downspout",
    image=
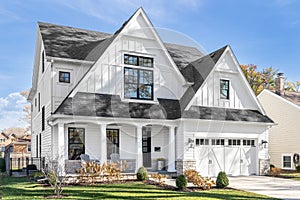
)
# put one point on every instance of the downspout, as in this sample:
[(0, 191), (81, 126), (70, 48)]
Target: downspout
[(52, 106)]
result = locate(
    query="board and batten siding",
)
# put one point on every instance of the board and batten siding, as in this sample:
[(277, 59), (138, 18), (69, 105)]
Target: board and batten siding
[(285, 136), (209, 93), (107, 75)]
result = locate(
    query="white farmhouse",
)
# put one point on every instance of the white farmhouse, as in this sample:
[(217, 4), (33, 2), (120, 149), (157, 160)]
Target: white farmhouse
[(130, 96)]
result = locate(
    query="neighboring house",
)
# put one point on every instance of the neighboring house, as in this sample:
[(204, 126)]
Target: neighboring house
[(21, 145), (4, 140), (132, 97), (284, 108)]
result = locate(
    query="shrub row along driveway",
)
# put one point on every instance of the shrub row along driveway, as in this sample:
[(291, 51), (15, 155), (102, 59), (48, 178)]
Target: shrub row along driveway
[(273, 187)]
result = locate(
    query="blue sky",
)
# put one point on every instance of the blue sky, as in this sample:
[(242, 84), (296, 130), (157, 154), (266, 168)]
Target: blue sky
[(265, 33)]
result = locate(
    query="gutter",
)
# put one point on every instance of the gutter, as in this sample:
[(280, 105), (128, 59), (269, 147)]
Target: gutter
[(51, 59)]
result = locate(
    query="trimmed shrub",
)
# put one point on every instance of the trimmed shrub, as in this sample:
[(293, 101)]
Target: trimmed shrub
[(222, 180), (298, 168), (142, 174), (181, 182), (275, 171), (2, 165), (202, 182)]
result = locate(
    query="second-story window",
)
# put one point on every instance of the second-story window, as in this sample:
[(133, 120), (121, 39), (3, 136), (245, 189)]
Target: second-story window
[(64, 77), (138, 60), (224, 89), (138, 84)]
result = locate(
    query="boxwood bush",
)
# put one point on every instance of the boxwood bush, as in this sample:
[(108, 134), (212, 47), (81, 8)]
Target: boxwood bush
[(2, 165), (222, 180), (142, 174), (181, 182)]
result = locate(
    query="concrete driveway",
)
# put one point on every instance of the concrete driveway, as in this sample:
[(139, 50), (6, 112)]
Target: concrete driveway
[(273, 187)]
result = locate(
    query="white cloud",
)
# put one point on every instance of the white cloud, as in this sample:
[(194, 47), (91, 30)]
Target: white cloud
[(11, 111)]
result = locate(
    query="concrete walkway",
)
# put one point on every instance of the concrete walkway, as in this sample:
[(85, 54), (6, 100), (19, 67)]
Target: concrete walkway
[(273, 187)]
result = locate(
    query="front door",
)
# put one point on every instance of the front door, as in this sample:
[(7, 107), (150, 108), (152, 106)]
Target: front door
[(146, 146)]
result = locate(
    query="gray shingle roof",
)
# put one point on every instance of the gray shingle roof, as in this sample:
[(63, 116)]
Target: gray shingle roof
[(69, 42), (226, 114), (293, 97), (197, 72), (74, 43), (105, 105), (183, 55)]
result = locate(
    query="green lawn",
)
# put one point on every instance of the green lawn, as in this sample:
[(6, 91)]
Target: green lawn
[(22, 188)]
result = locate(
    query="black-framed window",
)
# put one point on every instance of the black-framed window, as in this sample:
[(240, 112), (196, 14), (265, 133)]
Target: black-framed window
[(35, 102), (64, 77), (113, 138), (76, 143), (138, 60), (37, 146), (39, 101), (138, 84), (43, 61), (224, 89), (43, 118)]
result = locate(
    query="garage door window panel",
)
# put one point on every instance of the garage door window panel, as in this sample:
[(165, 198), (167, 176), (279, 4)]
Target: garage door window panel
[(217, 142), (202, 142)]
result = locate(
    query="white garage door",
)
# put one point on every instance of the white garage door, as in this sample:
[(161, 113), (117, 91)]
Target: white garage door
[(234, 156)]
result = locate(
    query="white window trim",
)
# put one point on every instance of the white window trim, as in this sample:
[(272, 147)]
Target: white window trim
[(229, 86), (291, 161), (62, 69)]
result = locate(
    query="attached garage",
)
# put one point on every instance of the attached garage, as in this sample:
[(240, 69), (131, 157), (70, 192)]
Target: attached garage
[(234, 156)]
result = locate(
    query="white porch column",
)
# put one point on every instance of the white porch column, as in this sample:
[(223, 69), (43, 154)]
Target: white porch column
[(61, 148), (103, 148), (139, 155), (171, 158)]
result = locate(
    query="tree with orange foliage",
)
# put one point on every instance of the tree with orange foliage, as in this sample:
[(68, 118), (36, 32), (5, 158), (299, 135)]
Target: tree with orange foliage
[(259, 80)]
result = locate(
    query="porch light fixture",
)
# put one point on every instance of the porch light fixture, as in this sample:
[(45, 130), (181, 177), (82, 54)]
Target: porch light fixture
[(264, 142), (191, 143)]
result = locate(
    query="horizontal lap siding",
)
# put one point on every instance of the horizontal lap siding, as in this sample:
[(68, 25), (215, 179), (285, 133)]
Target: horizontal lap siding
[(283, 138), (47, 135)]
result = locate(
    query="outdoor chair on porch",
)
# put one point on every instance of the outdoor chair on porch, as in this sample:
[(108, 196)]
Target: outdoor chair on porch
[(115, 157), (86, 158)]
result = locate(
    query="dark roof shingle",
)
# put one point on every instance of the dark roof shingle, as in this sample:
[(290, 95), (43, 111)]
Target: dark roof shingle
[(196, 72), (293, 97), (105, 105), (74, 43)]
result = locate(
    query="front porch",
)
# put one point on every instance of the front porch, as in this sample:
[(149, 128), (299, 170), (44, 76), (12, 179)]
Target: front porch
[(140, 144)]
